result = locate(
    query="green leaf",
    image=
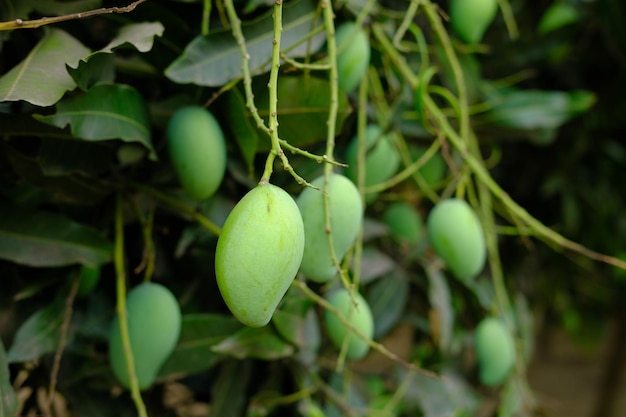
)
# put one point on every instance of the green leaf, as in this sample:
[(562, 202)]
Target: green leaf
[(241, 127), (41, 78), (98, 69), (8, 399), (44, 239), (199, 333), (297, 322), (440, 300), (302, 101), (229, 389), (39, 334), (537, 109), (387, 298), (252, 342), (214, 60), (106, 111)]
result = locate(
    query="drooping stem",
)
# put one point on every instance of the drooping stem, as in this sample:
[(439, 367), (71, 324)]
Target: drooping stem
[(122, 314)]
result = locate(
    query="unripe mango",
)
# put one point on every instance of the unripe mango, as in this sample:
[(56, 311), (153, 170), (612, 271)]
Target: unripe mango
[(404, 222), (471, 18), (89, 278), (359, 316), (457, 237), (258, 253), (346, 215), (197, 150), (495, 351), (433, 170), (154, 322), (382, 158), (353, 55)]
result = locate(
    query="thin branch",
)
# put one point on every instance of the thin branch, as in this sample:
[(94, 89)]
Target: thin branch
[(32, 24)]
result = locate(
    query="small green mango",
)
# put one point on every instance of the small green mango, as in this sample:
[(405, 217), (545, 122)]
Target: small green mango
[(382, 158), (353, 55), (457, 237), (346, 216), (471, 18), (89, 278), (154, 322), (258, 253), (197, 150), (495, 351), (433, 170), (359, 315), (404, 222)]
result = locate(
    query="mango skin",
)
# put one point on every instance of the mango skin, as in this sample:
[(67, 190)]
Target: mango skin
[(404, 222), (346, 216), (154, 322), (89, 278), (471, 18), (197, 150), (258, 253), (382, 158), (360, 316), (495, 351), (353, 55), (457, 237)]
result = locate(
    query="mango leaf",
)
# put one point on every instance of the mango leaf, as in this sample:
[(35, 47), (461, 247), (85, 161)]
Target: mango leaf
[(537, 109), (199, 333), (106, 111), (251, 342), (441, 302), (86, 72), (214, 60), (228, 391), (41, 78), (44, 239), (301, 102), (387, 298), (39, 334), (297, 322), (8, 399), (447, 396), (72, 189), (241, 127)]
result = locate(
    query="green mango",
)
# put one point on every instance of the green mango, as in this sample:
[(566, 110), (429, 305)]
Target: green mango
[(197, 150), (360, 317), (258, 253), (382, 158), (433, 170), (353, 55), (457, 237), (495, 351), (346, 216), (89, 278), (471, 18), (404, 222), (154, 322)]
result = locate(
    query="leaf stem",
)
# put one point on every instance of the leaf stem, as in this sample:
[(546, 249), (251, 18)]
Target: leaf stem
[(122, 313)]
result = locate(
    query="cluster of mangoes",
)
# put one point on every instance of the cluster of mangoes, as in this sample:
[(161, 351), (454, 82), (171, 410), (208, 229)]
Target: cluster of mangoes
[(269, 237)]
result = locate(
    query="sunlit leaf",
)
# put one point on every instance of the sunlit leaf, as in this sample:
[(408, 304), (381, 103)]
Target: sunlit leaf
[(252, 342), (41, 78), (199, 333), (8, 399), (40, 238), (214, 60), (106, 111)]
